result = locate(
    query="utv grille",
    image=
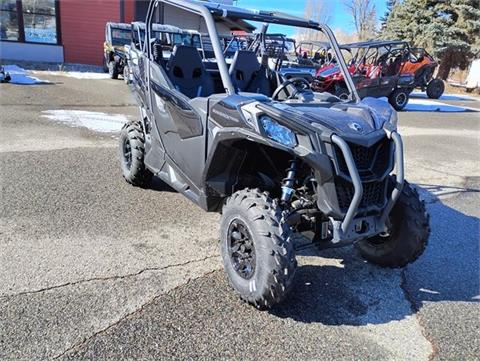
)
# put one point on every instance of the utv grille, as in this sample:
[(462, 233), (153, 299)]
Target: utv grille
[(372, 164), (374, 194)]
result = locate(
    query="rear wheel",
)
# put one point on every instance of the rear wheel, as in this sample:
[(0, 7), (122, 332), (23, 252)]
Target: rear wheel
[(408, 236), (132, 155), (257, 249), (113, 70), (435, 88), (399, 98)]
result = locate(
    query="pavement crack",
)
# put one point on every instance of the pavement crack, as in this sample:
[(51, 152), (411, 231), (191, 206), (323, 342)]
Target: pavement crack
[(442, 172), (139, 310), (421, 322), (109, 278)]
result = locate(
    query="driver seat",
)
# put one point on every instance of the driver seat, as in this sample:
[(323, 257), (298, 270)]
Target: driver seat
[(247, 73), (188, 74)]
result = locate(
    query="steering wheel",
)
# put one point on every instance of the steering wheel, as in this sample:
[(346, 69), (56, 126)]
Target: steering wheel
[(295, 82)]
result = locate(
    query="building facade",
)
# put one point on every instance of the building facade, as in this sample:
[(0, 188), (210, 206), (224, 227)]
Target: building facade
[(70, 31)]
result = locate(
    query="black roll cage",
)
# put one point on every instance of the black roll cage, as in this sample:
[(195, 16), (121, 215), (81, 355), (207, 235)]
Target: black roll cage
[(209, 10)]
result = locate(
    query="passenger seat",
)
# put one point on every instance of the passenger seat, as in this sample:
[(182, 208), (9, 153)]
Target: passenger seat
[(187, 72)]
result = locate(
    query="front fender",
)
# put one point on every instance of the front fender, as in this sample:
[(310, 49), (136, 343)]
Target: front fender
[(226, 159)]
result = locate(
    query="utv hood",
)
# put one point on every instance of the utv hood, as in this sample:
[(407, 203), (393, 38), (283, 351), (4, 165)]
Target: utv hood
[(351, 120)]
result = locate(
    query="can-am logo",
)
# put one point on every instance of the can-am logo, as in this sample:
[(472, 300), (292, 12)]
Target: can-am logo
[(355, 126)]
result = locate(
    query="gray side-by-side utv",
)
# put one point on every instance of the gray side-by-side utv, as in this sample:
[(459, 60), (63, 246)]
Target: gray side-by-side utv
[(273, 157)]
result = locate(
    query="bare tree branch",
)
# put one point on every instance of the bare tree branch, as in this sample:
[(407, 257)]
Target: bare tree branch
[(319, 11), (363, 17)]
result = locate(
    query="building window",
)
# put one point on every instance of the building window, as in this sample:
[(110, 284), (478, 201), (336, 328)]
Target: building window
[(31, 21), (39, 21), (9, 20)]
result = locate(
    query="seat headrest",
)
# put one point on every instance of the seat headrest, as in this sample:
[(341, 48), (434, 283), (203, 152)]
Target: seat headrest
[(245, 55), (244, 60), (187, 53)]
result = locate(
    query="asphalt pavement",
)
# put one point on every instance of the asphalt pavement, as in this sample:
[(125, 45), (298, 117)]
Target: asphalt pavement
[(93, 268)]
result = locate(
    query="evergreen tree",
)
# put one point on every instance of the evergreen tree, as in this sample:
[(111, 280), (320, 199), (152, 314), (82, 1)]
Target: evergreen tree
[(390, 6), (459, 24)]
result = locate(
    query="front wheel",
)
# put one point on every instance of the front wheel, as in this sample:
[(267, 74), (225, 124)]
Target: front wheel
[(113, 70), (435, 88), (408, 235), (257, 249), (126, 75), (105, 65), (399, 98)]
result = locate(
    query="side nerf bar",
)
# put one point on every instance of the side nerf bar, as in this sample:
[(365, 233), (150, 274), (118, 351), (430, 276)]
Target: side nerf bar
[(358, 187)]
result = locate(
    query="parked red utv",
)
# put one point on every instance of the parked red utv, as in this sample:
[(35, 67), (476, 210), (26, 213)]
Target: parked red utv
[(376, 69)]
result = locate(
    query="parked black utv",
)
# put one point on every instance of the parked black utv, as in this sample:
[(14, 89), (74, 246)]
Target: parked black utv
[(118, 36), (273, 157)]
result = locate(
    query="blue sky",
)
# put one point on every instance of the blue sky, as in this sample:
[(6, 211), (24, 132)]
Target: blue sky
[(340, 17)]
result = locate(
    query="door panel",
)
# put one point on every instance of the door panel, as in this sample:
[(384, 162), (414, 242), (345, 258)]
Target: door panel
[(365, 86), (180, 126), (137, 59)]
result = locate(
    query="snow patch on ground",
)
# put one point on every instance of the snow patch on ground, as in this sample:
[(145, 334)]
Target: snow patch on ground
[(76, 74), (96, 121), (426, 105), (458, 97), (20, 76)]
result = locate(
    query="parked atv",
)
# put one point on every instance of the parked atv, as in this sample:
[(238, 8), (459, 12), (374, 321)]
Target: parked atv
[(376, 69), (274, 158), (4, 75), (117, 36), (422, 65)]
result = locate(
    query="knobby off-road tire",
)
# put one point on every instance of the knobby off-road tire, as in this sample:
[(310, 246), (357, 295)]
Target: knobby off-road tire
[(342, 92), (399, 98), (126, 75), (408, 234), (105, 65), (252, 217), (132, 155), (113, 70), (435, 88)]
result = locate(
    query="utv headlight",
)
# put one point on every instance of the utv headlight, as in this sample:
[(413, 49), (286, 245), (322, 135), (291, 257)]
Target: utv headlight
[(278, 132)]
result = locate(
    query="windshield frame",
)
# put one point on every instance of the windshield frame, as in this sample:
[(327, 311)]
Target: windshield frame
[(126, 31)]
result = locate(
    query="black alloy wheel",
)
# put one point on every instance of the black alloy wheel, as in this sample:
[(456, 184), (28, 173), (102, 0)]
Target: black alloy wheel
[(241, 249)]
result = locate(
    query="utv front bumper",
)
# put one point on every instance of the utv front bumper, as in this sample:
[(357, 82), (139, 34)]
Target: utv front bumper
[(357, 223)]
